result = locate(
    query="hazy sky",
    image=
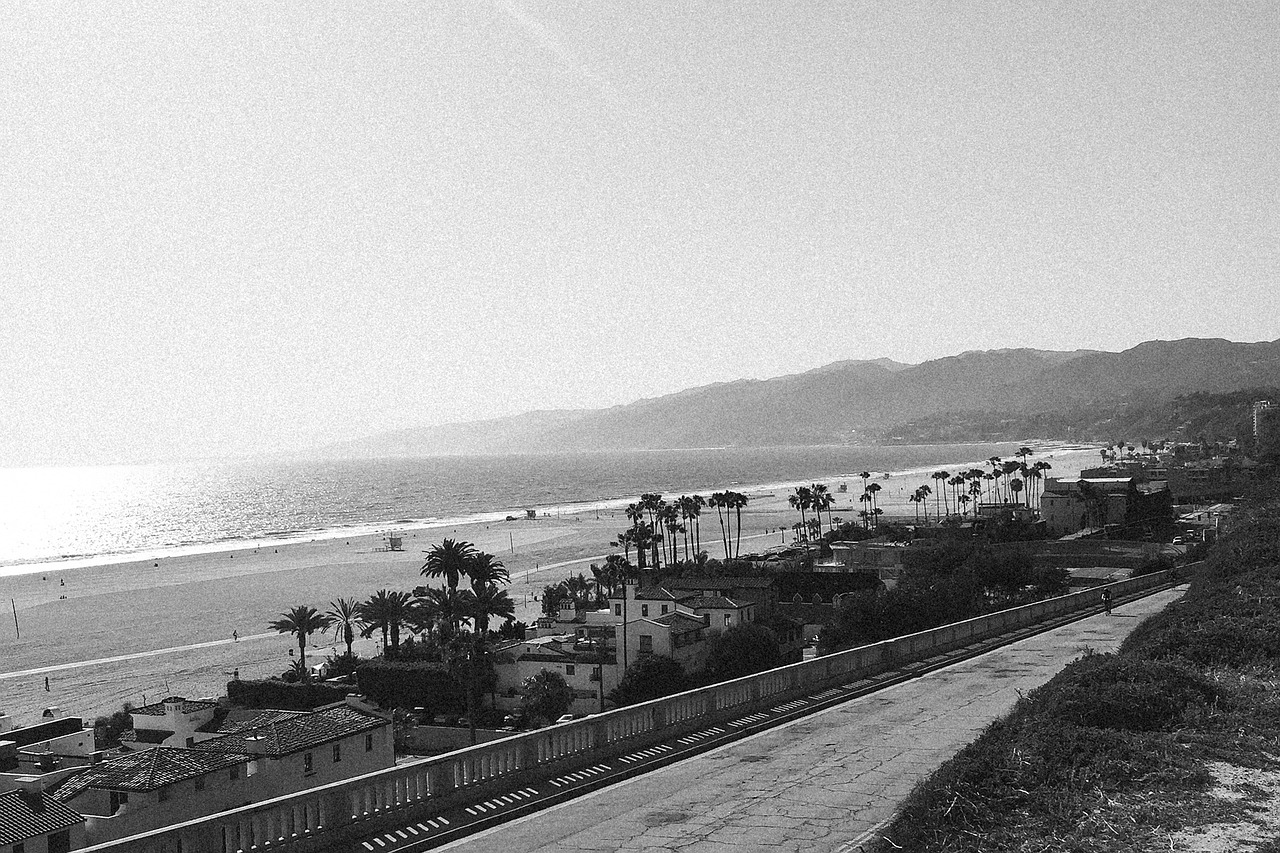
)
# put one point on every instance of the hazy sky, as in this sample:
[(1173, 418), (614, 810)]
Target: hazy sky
[(240, 226)]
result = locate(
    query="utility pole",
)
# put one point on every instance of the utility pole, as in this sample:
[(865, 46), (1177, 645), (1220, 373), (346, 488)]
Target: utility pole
[(14, 604)]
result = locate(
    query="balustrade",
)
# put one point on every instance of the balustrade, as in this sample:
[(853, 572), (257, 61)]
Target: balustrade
[(296, 822)]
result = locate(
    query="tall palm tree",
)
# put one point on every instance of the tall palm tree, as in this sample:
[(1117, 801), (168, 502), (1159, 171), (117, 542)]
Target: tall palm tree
[(388, 611), (636, 515), (821, 500), (873, 490), (925, 491), (345, 616), (802, 500), (490, 602), (301, 620), (485, 569), (449, 560), (737, 501), (941, 477), (915, 499), (719, 502), (865, 498), (698, 503), (447, 606)]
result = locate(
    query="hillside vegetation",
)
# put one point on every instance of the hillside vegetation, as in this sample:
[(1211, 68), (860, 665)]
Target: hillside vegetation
[(1013, 393), (1129, 751)]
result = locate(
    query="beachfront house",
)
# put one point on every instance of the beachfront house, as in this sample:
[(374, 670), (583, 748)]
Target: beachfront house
[(258, 756), (173, 721)]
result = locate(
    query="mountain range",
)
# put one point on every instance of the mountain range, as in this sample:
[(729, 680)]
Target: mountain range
[(1001, 394)]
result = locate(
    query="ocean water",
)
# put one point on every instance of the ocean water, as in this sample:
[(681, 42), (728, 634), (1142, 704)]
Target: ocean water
[(81, 516)]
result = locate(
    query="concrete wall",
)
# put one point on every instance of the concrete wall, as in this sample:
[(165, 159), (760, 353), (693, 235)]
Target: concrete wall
[(334, 815)]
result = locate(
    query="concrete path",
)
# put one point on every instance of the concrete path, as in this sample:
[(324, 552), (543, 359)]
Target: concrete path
[(824, 782)]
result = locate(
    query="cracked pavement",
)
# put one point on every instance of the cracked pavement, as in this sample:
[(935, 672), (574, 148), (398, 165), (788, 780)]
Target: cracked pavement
[(823, 781)]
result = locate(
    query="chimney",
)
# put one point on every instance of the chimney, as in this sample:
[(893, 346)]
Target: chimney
[(32, 793)]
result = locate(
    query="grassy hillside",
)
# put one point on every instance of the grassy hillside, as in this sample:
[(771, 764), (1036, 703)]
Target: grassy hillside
[(1124, 751)]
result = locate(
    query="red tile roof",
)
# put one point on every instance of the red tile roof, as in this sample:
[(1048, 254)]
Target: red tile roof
[(146, 770), (277, 733), (187, 706), (20, 822)]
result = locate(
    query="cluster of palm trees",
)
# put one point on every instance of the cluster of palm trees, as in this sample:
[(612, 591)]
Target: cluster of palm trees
[(436, 613), (659, 527), (1005, 483), (815, 497)]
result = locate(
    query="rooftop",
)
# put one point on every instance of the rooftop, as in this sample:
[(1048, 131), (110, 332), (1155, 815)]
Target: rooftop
[(277, 733), (147, 770), (680, 623), (713, 602), (20, 822), (185, 706)]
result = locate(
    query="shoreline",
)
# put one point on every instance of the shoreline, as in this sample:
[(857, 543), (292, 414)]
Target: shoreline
[(134, 629), (1044, 449)]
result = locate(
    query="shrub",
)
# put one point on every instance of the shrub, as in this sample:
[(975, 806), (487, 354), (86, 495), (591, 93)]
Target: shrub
[(651, 677), (412, 684), (1112, 692), (546, 695), (273, 693)]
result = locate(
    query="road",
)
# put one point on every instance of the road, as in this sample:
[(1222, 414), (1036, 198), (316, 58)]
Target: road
[(824, 782)]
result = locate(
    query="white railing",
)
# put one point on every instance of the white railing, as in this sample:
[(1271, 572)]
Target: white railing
[(315, 820)]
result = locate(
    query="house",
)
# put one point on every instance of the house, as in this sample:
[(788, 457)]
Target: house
[(1123, 504), (173, 721), (264, 755), (585, 658), (33, 822)]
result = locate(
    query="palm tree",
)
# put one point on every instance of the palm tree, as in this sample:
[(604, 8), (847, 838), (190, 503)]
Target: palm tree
[(737, 501), (1015, 486), (388, 611), (449, 560), (821, 500), (865, 498), (698, 502), (486, 604), (635, 514), (446, 605), (625, 540), (484, 570), (301, 621), (941, 477), (916, 498), (925, 491), (872, 490), (345, 613), (719, 501), (801, 500)]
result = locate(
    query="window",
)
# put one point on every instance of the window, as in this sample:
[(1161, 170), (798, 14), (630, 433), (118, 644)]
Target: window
[(199, 783), (234, 773), (664, 610), (337, 753), (368, 743), (728, 620), (118, 799), (307, 766), (569, 669), (644, 610), (191, 742), (646, 644), (163, 795), (617, 610)]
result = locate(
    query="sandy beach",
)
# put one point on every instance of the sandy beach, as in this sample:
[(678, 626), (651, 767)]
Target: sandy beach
[(138, 631)]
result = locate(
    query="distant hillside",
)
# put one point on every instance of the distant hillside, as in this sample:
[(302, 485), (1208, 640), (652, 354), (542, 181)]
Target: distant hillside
[(1012, 393)]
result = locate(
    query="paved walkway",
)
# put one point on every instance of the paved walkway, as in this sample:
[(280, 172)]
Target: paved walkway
[(824, 782)]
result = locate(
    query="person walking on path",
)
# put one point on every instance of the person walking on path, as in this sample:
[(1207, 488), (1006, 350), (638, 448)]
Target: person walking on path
[(1106, 601), (235, 636)]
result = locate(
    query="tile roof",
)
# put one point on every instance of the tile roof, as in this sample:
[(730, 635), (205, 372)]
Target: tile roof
[(277, 733), (654, 593), (740, 582), (187, 706), (20, 822), (147, 770), (716, 602), (681, 623)]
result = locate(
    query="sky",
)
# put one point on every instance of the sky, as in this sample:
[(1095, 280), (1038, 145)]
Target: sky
[(233, 228)]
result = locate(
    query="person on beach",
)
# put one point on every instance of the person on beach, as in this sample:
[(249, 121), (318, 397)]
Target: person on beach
[(1106, 601), (235, 636)]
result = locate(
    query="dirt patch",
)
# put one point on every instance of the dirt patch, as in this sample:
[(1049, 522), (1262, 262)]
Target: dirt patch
[(1258, 791)]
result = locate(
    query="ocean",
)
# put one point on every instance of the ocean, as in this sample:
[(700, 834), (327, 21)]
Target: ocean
[(91, 515)]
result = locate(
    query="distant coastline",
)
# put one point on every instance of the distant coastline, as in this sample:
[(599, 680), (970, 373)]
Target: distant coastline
[(947, 456)]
